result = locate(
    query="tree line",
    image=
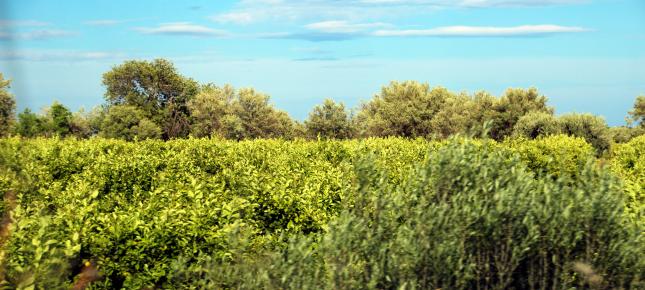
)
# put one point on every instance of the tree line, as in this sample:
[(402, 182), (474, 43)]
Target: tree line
[(151, 99)]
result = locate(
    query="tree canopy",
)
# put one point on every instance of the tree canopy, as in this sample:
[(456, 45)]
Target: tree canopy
[(157, 89), (7, 107), (151, 99), (329, 120)]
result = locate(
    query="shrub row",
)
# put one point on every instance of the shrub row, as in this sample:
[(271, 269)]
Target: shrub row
[(373, 213)]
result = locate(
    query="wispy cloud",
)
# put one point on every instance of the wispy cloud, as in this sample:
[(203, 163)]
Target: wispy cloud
[(35, 34), (183, 28), (5, 23), (338, 26), (342, 30), (482, 31), (314, 36), (105, 22), (334, 30), (11, 29), (473, 3), (250, 11), (55, 55), (235, 17), (318, 58)]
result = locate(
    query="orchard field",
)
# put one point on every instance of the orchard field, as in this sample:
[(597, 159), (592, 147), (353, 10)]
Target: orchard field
[(372, 213)]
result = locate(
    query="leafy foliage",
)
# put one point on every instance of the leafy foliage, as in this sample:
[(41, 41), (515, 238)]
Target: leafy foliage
[(628, 161), (514, 104), (372, 213), (128, 122), (7, 108), (637, 114), (329, 120), (537, 124), (156, 89), (592, 128)]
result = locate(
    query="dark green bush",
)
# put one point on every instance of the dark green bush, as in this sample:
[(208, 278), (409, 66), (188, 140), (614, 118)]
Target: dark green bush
[(297, 214), (471, 218)]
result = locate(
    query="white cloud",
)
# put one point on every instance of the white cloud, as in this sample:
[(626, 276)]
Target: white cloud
[(20, 30), (473, 3), (337, 26), (35, 34), (183, 28), (251, 11), (482, 31), (234, 17), (104, 22), (57, 55), (5, 23)]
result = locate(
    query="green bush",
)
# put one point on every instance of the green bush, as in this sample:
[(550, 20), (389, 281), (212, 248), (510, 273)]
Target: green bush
[(537, 124), (289, 214), (558, 155), (592, 128), (628, 162)]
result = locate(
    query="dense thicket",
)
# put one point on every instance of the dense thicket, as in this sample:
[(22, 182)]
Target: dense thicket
[(272, 214), (151, 100)]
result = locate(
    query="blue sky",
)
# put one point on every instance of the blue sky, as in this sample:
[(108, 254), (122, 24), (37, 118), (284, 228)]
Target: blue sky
[(585, 55)]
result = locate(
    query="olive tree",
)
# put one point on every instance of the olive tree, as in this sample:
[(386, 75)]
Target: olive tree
[(514, 104), (209, 108), (402, 109), (329, 120), (536, 124), (128, 123), (592, 128)]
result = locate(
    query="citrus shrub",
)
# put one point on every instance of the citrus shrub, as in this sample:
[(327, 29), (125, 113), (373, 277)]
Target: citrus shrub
[(204, 213), (471, 217), (628, 162), (556, 155)]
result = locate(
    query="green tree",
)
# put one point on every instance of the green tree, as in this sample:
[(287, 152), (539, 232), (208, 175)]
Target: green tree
[(208, 109), (455, 117), (329, 120), (402, 109), (624, 134), (482, 114), (128, 122), (536, 124), (514, 104), (157, 89), (85, 124), (7, 107), (637, 114), (592, 128), (29, 124), (252, 116), (59, 120)]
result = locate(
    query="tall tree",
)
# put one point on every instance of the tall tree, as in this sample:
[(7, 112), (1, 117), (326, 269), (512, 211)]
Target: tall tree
[(251, 116), (7, 107), (329, 120), (30, 124), (208, 109), (157, 89), (637, 114), (59, 119), (402, 109), (514, 104)]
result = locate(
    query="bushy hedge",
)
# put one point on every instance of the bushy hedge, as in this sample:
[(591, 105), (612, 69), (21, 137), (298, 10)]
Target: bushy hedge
[(628, 162), (373, 213)]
